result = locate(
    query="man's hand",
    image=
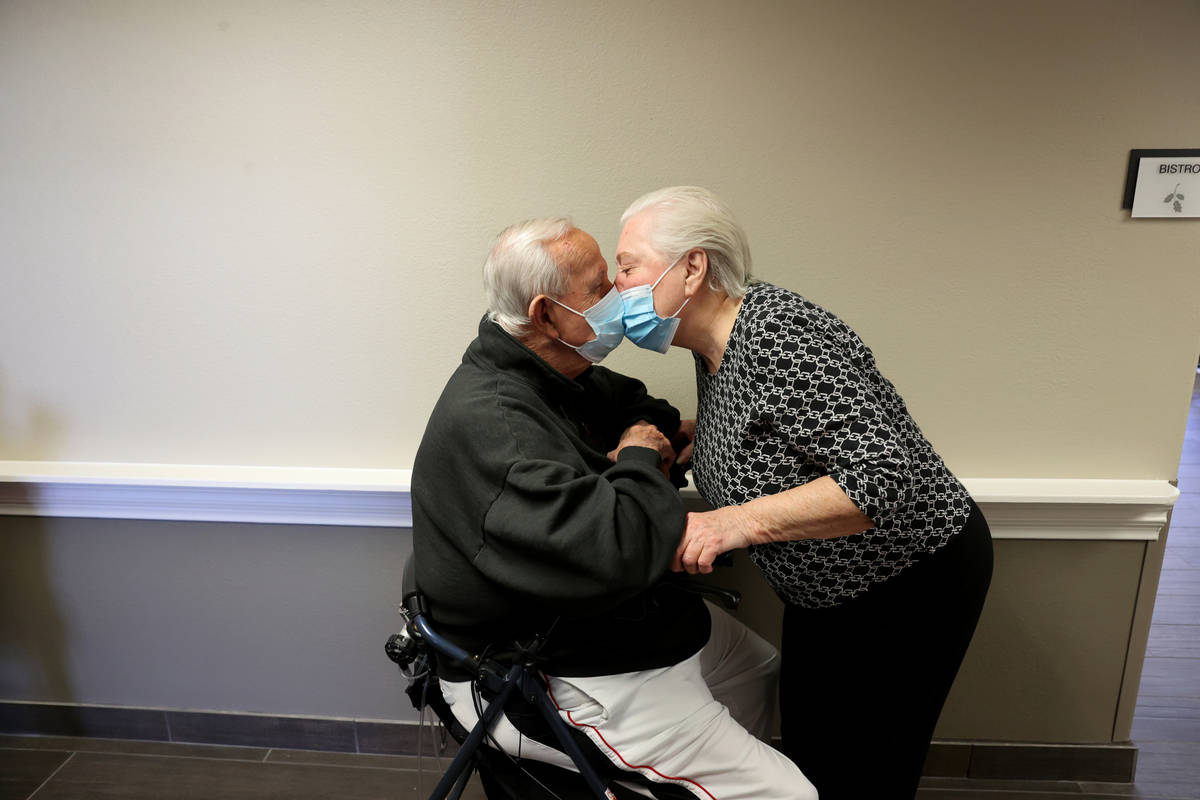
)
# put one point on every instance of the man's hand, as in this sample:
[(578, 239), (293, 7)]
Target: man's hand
[(709, 534), (643, 434), (682, 442)]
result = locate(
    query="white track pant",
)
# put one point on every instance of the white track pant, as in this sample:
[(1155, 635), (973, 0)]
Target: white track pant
[(693, 724)]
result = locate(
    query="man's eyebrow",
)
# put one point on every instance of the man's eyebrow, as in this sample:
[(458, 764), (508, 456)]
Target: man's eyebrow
[(622, 254)]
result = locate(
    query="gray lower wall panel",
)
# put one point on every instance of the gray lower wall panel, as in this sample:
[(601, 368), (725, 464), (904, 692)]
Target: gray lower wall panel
[(266, 619)]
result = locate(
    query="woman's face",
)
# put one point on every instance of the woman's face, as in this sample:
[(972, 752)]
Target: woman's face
[(638, 263)]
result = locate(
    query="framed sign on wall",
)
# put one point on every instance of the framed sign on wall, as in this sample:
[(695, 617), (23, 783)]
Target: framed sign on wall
[(1163, 184)]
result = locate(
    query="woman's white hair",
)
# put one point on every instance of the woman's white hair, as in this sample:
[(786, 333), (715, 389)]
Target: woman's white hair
[(519, 268), (689, 216)]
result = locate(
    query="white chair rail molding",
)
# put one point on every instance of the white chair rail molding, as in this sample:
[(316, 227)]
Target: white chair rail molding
[(1017, 508)]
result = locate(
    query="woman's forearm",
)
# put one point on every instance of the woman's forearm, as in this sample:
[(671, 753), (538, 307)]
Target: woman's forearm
[(817, 510)]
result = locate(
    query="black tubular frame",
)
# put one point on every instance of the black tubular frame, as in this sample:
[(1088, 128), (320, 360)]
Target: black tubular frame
[(501, 682), (522, 677)]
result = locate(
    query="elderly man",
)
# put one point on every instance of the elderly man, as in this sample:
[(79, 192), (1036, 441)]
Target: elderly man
[(542, 504)]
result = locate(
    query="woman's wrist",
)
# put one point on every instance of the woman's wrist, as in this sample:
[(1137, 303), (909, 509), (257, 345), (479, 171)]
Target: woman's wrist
[(755, 522)]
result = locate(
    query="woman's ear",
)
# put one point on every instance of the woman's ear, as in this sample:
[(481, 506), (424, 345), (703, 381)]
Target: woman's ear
[(696, 270)]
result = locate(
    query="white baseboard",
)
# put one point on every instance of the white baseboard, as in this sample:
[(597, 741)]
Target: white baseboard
[(1017, 508)]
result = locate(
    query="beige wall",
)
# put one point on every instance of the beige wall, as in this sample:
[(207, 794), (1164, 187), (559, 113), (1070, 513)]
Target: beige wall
[(250, 232), (1049, 659)]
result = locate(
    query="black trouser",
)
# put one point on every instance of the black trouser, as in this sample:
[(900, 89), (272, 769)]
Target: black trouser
[(863, 683)]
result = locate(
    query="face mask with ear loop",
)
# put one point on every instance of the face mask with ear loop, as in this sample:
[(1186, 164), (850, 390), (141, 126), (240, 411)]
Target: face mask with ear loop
[(606, 319), (643, 326)]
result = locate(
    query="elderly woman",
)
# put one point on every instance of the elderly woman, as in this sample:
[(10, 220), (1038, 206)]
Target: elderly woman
[(812, 461)]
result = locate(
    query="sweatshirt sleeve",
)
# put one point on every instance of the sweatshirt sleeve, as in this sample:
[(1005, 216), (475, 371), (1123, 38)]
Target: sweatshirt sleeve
[(619, 401), (582, 540), (817, 392)]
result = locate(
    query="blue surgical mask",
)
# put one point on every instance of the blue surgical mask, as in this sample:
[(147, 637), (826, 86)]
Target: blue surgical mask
[(605, 317), (643, 326)]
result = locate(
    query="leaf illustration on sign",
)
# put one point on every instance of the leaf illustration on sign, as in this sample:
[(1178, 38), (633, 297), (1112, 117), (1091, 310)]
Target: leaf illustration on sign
[(1177, 199)]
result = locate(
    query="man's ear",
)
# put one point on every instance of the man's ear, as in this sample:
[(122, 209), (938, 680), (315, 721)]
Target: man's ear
[(539, 317), (696, 267)]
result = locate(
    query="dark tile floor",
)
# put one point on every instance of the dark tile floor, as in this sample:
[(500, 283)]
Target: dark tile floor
[(1166, 727), (49, 768)]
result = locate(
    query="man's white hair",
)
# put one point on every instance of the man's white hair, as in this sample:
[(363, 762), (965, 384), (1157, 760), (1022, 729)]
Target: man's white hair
[(689, 216), (520, 267)]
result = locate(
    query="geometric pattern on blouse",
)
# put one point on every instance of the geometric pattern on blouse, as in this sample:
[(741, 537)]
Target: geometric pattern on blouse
[(798, 396)]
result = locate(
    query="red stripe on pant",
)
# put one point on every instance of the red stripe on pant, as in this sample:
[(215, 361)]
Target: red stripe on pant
[(617, 752)]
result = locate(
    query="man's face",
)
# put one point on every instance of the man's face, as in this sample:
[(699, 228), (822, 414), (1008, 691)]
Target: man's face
[(587, 283)]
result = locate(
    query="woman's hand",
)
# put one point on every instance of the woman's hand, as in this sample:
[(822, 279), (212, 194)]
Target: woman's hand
[(683, 440), (709, 534)]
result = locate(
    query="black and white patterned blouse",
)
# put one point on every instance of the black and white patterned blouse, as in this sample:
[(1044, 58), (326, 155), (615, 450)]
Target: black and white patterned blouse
[(798, 396)]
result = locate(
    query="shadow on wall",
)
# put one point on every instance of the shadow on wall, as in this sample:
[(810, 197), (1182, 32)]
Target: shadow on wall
[(33, 636), (31, 439)]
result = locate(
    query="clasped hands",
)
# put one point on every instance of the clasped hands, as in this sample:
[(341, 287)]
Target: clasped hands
[(708, 534), (676, 450)]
